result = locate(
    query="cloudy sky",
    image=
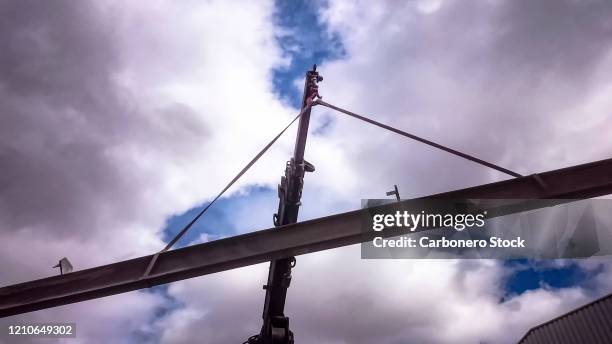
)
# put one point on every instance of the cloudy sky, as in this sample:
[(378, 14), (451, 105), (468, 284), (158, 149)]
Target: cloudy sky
[(119, 120)]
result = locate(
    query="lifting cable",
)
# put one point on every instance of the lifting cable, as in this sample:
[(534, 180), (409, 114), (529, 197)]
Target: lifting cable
[(243, 171), (265, 149), (414, 137)]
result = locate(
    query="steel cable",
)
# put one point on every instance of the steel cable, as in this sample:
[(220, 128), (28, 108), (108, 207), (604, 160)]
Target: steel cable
[(414, 137), (242, 172)]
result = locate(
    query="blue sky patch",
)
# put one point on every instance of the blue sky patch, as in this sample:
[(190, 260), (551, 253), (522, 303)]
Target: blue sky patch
[(306, 41), (530, 275), (219, 221), (214, 223)]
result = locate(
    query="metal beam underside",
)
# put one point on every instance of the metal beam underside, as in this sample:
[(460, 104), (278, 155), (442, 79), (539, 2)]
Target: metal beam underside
[(576, 182)]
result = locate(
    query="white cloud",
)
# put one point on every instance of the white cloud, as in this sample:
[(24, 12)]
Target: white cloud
[(154, 107), (118, 116), (470, 76)]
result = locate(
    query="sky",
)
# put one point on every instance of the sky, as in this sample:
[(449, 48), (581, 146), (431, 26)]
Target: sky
[(119, 120)]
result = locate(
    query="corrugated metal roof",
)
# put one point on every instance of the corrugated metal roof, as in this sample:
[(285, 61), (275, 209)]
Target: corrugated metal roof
[(591, 323)]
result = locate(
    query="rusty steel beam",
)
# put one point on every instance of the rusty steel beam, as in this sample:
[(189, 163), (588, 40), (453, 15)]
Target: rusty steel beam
[(576, 182)]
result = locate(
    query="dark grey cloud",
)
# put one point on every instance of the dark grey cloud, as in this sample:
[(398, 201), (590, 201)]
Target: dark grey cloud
[(503, 81), (565, 38), (102, 134), (70, 136), (61, 50), (63, 113), (57, 97)]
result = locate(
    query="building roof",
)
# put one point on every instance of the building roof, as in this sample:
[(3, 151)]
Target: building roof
[(591, 323)]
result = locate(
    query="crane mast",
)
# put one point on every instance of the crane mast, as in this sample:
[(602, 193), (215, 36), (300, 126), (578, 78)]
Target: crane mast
[(275, 328)]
